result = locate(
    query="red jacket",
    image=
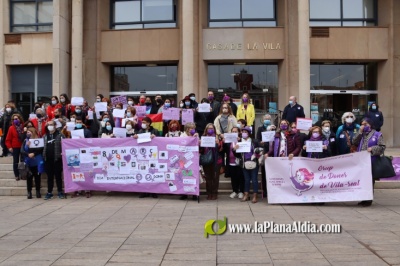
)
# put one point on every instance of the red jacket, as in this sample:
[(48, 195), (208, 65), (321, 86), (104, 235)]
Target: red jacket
[(12, 140), (35, 124), (50, 110)]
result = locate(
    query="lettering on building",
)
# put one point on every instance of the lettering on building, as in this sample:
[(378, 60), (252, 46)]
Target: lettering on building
[(239, 46)]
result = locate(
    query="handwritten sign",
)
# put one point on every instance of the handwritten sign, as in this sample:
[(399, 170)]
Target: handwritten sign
[(118, 99), (314, 146), (77, 101), (208, 142), (171, 113), (204, 108), (144, 137), (119, 113), (244, 146), (100, 107), (187, 116), (267, 136), (303, 123), (231, 137), (140, 111)]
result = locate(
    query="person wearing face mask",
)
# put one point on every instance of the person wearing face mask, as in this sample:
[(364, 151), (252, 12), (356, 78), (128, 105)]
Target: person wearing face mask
[(241, 123), (286, 142), (40, 122), (158, 105), (130, 101), (62, 120), (14, 141), (5, 123), (202, 119), (54, 104), (99, 125), (52, 160), (368, 139), (33, 157), (173, 129), (346, 133), (330, 136), (232, 169), (66, 108), (227, 99), (293, 110), (181, 104), (193, 102), (212, 170), (187, 103), (250, 174), (130, 129), (142, 100), (315, 134), (79, 125), (246, 111), (303, 136), (376, 116), (225, 121), (107, 131), (214, 104), (79, 111)]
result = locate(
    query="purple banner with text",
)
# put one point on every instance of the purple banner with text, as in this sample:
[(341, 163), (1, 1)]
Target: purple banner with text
[(304, 180), (163, 165)]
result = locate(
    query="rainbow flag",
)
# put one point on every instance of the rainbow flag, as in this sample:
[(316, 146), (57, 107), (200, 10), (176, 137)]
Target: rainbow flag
[(157, 122)]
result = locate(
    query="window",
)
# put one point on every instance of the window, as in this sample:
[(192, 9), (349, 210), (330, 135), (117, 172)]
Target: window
[(144, 78), (242, 13), (260, 81), (342, 13), (31, 15), (138, 14)]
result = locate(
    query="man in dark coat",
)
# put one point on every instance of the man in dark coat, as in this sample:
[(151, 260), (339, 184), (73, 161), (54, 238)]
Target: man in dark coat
[(293, 110), (376, 116)]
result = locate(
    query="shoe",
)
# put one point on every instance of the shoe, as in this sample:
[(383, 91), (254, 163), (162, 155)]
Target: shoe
[(233, 195), (209, 197), (254, 200), (194, 197), (17, 178), (240, 195), (61, 195), (48, 196), (215, 197), (365, 203), (143, 195), (88, 194), (264, 194), (29, 195), (38, 194), (245, 197), (155, 196), (183, 197)]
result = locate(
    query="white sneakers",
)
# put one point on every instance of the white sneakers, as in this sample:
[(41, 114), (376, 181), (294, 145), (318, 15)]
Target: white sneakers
[(236, 195), (233, 195)]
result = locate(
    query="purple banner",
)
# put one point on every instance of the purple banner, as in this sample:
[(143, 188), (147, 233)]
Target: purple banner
[(164, 165), (396, 166)]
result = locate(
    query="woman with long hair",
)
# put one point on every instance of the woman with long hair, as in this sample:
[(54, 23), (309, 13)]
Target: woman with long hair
[(14, 141)]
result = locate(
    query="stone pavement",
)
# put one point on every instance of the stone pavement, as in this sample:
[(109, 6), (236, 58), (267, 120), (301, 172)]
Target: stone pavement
[(121, 229)]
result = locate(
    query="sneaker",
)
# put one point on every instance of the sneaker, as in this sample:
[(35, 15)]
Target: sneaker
[(233, 195), (61, 195), (240, 195), (48, 196)]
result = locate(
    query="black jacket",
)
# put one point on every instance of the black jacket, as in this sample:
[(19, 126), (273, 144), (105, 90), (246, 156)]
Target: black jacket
[(376, 116), (290, 113)]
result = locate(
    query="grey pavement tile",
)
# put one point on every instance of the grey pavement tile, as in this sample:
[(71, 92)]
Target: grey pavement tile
[(339, 258), (186, 263), (34, 257), (86, 262), (244, 259), (297, 255), (192, 250), (308, 262), (190, 257), (136, 259), (87, 256), (26, 263)]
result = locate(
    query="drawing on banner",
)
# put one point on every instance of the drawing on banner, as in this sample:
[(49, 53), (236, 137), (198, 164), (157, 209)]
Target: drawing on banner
[(302, 181), (163, 155), (72, 157)]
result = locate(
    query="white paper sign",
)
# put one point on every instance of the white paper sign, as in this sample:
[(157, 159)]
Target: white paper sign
[(77, 134), (100, 106), (208, 142), (313, 146), (230, 137), (70, 126), (119, 132), (204, 108), (303, 123), (36, 143), (77, 101), (58, 123), (244, 146), (32, 116), (123, 122), (267, 136), (119, 113), (144, 137), (90, 115)]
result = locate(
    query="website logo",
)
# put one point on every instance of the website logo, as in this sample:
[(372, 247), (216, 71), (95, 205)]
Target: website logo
[(209, 230)]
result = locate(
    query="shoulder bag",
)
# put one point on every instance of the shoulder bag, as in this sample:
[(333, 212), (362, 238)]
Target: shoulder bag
[(382, 167), (207, 158)]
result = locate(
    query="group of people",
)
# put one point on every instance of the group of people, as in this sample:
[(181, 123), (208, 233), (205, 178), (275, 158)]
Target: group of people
[(50, 123)]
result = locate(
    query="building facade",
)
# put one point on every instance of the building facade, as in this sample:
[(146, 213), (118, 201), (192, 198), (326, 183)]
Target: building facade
[(334, 55)]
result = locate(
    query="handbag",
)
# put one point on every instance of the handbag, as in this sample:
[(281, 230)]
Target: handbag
[(250, 165), (207, 158), (382, 167), (23, 170)]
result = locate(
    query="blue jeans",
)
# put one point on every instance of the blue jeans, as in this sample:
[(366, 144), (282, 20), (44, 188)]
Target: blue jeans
[(250, 175)]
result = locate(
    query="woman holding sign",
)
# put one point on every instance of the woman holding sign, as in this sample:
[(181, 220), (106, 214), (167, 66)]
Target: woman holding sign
[(233, 169), (315, 135), (286, 142), (14, 140), (34, 159), (211, 167)]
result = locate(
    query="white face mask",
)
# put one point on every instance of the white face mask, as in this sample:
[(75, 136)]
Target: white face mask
[(50, 128), (128, 127), (326, 129), (144, 126), (130, 102), (53, 102), (349, 120), (72, 119), (8, 109), (62, 100)]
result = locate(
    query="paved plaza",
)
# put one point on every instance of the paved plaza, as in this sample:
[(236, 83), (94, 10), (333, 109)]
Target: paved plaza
[(121, 229)]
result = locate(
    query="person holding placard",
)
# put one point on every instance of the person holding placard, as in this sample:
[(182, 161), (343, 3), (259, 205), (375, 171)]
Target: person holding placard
[(52, 159), (59, 118), (214, 104), (40, 121), (286, 142), (130, 129), (302, 136), (14, 141), (53, 106), (106, 116), (5, 123), (211, 169), (246, 111), (315, 135), (250, 165), (79, 125), (346, 133), (66, 108), (202, 119), (107, 131), (233, 169), (190, 130), (33, 157)]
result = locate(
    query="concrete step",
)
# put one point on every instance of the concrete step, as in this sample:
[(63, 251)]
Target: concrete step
[(9, 174), (6, 167), (4, 183), (18, 191)]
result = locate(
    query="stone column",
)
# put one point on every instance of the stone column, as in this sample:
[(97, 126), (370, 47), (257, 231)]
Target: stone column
[(304, 55), (187, 63), (77, 48), (3, 76), (61, 46)]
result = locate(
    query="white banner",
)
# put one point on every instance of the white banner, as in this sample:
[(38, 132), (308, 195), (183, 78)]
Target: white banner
[(304, 180)]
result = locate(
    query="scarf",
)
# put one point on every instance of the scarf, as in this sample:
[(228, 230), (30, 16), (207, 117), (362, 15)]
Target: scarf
[(348, 127), (326, 134), (282, 148), (224, 123)]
